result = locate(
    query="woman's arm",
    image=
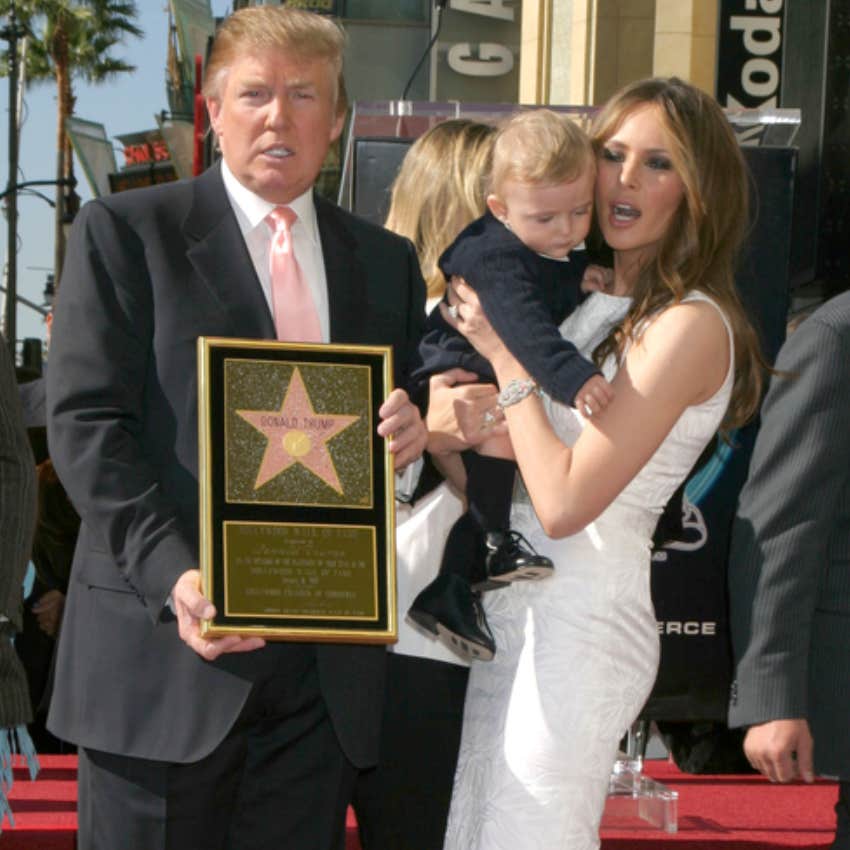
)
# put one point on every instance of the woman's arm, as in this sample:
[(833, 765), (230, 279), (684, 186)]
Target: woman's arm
[(680, 360)]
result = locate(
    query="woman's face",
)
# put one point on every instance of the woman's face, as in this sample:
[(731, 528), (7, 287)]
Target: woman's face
[(637, 189)]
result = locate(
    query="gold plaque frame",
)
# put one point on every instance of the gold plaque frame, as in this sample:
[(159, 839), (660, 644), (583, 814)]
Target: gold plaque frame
[(296, 491)]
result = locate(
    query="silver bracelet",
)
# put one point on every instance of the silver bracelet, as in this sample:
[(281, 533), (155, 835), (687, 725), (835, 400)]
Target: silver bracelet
[(516, 390)]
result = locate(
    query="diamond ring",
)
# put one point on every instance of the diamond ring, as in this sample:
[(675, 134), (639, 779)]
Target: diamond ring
[(453, 311), (488, 420)]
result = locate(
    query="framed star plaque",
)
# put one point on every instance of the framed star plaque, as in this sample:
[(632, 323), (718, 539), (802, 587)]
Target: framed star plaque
[(296, 491)]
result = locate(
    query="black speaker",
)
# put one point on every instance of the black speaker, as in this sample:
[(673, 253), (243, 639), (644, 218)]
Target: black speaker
[(689, 574), (376, 163), (764, 274), (815, 78)]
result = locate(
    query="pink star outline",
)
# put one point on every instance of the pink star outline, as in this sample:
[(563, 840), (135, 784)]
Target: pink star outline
[(297, 417)]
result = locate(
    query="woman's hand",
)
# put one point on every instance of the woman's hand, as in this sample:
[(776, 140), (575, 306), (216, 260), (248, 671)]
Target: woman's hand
[(458, 412), (466, 315)]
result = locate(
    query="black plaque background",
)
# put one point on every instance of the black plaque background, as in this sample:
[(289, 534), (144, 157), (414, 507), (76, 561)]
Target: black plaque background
[(220, 511)]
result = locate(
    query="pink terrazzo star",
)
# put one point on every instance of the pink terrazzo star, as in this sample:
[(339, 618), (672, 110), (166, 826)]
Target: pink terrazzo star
[(297, 434)]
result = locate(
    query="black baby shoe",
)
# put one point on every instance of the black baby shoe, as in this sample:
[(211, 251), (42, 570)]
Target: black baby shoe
[(450, 609), (510, 557)]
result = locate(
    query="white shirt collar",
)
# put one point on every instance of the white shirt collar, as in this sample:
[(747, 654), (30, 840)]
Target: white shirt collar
[(580, 247), (254, 209)]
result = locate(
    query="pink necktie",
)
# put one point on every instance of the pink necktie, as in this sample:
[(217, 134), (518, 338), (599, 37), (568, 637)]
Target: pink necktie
[(295, 316)]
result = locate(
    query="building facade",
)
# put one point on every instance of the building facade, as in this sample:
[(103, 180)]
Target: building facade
[(567, 52)]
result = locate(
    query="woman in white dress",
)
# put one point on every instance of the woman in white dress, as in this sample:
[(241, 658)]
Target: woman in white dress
[(577, 655)]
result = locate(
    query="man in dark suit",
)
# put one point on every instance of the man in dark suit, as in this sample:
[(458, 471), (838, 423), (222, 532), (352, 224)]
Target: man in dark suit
[(187, 742), (789, 569)]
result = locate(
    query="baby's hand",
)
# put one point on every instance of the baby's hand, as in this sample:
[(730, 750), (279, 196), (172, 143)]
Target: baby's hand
[(597, 279), (594, 396)]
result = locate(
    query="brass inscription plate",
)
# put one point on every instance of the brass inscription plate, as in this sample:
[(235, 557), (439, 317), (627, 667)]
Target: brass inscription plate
[(298, 571)]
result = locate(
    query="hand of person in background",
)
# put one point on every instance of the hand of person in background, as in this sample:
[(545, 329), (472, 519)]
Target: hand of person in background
[(597, 279), (457, 409), (190, 607), (402, 423), (48, 610), (781, 750)]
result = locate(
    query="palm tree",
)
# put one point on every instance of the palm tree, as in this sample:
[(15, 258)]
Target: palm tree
[(69, 40)]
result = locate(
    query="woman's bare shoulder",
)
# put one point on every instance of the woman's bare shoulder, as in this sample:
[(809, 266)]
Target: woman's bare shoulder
[(697, 322), (688, 340)]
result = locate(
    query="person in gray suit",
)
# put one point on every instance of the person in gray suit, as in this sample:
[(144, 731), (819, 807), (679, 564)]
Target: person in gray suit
[(187, 742), (789, 567)]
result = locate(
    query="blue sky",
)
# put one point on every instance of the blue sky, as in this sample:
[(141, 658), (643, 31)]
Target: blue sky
[(126, 105)]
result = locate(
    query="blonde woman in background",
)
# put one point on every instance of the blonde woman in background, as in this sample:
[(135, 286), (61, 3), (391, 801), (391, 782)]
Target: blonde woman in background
[(439, 189), (402, 804)]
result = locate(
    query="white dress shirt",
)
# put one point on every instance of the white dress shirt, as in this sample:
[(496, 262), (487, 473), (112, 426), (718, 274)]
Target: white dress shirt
[(251, 211)]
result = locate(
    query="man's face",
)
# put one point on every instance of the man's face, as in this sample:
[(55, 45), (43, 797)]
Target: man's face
[(275, 117)]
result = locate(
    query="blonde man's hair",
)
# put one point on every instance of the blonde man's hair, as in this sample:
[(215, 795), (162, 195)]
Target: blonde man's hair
[(301, 34), (439, 189), (700, 246), (540, 147)]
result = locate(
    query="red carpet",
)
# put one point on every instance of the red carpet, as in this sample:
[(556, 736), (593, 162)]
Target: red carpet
[(715, 813), (45, 810), (735, 813)]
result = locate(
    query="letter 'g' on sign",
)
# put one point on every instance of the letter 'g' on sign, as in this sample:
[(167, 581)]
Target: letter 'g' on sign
[(493, 60)]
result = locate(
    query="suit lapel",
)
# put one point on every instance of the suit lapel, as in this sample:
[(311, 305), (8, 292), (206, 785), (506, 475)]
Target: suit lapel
[(345, 275), (220, 257)]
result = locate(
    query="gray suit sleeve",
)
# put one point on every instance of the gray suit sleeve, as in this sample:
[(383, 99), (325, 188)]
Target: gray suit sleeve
[(17, 493), (780, 541)]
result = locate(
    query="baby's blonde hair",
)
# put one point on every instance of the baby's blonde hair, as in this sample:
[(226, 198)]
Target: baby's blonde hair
[(541, 147)]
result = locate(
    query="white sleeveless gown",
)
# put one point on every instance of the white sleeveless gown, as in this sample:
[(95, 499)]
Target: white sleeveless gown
[(577, 654)]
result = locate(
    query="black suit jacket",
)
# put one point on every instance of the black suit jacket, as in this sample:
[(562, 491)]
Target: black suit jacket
[(146, 273)]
